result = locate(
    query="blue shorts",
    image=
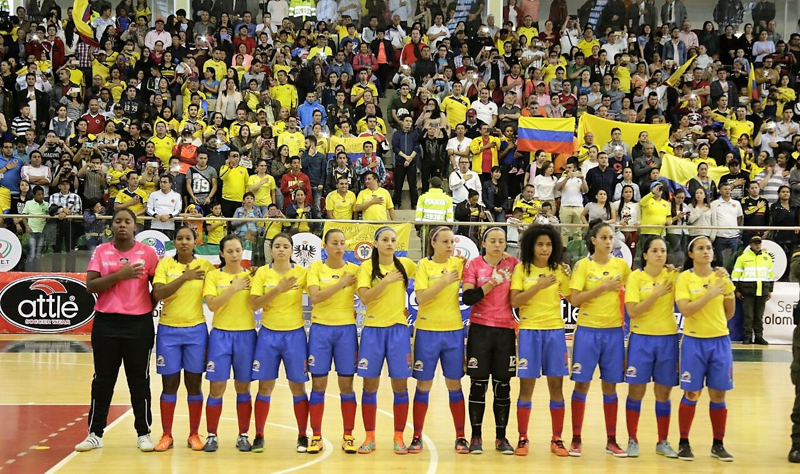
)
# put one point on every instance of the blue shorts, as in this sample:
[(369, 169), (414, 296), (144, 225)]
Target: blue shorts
[(276, 346), (181, 349), (230, 349), (430, 347), (393, 344), (598, 346), (709, 360), (652, 358), (332, 344), (542, 352)]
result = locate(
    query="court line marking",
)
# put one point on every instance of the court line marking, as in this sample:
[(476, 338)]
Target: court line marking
[(72, 455)]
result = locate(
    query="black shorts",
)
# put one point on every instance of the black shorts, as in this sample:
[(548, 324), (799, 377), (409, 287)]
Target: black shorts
[(491, 351)]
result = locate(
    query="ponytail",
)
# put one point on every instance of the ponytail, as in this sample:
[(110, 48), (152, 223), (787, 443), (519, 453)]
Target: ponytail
[(222, 243), (594, 227)]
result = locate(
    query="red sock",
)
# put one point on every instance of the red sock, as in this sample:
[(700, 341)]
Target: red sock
[(719, 417), (663, 412), (523, 417), (686, 416), (195, 412), (458, 410), (578, 408), (610, 408), (349, 412), (557, 411), (369, 410), (400, 411), (633, 409), (420, 410), (316, 408), (244, 409), (301, 413), (168, 402), (262, 411), (213, 412)]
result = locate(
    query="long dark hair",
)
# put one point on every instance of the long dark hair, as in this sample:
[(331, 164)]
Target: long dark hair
[(376, 263), (622, 198), (607, 205), (222, 243), (282, 235), (527, 244), (594, 227), (688, 264), (69, 33), (674, 203)]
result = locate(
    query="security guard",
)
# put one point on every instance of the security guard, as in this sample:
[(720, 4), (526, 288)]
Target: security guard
[(753, 276), (434, 205)]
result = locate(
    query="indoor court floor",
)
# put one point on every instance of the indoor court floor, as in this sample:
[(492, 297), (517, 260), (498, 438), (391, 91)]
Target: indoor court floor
[(45, 394)]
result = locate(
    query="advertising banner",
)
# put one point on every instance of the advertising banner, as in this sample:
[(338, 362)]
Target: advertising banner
[(45, 303)]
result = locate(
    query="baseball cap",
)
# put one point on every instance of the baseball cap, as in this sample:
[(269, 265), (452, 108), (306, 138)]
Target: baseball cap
[(696, 129), (654, 184), (471, 113), (755, 238)]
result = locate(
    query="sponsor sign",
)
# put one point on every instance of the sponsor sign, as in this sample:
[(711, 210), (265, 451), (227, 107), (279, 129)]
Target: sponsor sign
[(45, 303), (10, 250)]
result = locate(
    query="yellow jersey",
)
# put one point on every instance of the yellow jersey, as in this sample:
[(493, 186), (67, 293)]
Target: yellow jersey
[(163, 148), (338, 310), (390, 307), (125, 195), (359, 88), (529, 209), (341, 207), (216, 235), (529, 32), (711, 320), (285, 311), (220, 68), (236, 314), (603, 311), (442, 313), (236, 128), (286, 95), (185, 307), (295, 141), (234, 182), (543, 311), (659, 320), (654, 213), (377, 212), (263, 195), (455, 109)]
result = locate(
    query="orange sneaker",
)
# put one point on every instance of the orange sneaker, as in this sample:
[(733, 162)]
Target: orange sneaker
[(164, 444), (195, 442), (522, 447), (557, 447)]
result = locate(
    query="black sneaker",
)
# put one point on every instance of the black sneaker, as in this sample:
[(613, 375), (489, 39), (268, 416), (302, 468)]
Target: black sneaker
[(243, 443), (503, 446), (476, 446), (302, 444), (258, 444), (462, 446), (761, 341), (794, 453), (212, 444), (685, 452), (718, 451), (416, 445)]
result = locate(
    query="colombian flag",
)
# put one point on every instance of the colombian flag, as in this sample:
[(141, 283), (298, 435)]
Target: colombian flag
[(354, 146), (752, 87), (677, 172), (553, 135), (360, 237), (81, 14), (678, 74)]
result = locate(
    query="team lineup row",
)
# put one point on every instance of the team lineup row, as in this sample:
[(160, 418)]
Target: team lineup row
[(492, 285)]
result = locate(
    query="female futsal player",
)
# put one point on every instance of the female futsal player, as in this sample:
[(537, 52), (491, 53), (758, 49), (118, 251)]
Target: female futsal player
[(382, 282), (537, 286), (182, 334), (119, 274), (653, 343), (706, 300), (232, 341), (278, 288), (333, 337), (599, 340), (439, 334), (491, 340)]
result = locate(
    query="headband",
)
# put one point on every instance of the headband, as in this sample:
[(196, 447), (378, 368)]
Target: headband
[(486, 232), (691, 242), (436, 232), (381, 230)]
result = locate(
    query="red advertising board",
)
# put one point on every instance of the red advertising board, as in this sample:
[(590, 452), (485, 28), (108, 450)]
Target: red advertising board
[(45, 303)]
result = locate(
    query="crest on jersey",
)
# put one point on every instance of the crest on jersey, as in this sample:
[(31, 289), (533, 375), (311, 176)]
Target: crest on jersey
[(631, 372), (522, 364), (210, 367), (419, 366), (472, 363), (363, 364), (576, 368), (256, 366), (686, 377), (160, 361), (311, 361)]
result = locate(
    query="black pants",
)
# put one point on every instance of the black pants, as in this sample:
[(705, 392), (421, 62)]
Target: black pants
[(429, 168), (405, 173), (229, 207), (383, 77), (795, 374), (66, 235), (121, 339), (753, 309)]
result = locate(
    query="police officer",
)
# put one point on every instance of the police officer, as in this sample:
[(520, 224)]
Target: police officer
[(753, 276)]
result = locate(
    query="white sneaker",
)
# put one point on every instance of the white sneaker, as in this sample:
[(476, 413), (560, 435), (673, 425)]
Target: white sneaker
[(91, 442), (144, 444)]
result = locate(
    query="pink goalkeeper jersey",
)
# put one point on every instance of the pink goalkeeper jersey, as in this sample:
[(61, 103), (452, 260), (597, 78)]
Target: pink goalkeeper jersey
[(127, 296), (495, 308)]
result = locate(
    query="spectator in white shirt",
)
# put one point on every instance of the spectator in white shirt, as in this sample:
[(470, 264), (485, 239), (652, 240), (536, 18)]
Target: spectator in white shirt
[(726, 212), (462, 180), (458, 146), (36, 174), (278, 10), (103, 21), (486, 110), (437, 32), (571, 200), (156, 35), (164, 205)]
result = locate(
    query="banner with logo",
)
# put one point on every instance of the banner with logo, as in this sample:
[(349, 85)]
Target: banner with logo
[(354, 146), (45, 303), (165, 248), (778, 314), (359, 239), (10, 250)]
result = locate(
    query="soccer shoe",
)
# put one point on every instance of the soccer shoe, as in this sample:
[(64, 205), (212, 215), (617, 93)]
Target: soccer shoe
[(761, 341), (243, 443), (416, 445), (212, 444), (685, 452), (633, 449), (557, 448), (462, 446), (522, 447), (613, 449), (794, 453), (195, 443), (663, 448), (718, 451), (476, 446), (503, 446), (144, 444), (91, 442), (575, 449), (315, 445), (367, 447), (400, 447), (349, 445), (164, 444), (258, 444), (302, 444)]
